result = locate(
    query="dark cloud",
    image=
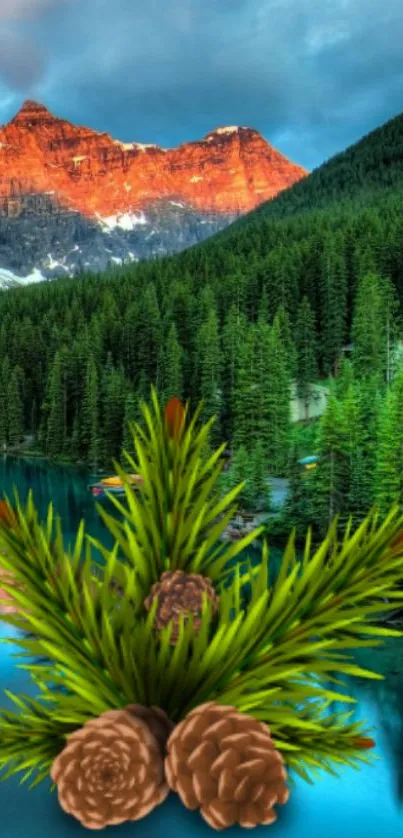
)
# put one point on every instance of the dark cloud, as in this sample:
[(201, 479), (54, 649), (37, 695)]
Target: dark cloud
[(311, 75), (21, 62)]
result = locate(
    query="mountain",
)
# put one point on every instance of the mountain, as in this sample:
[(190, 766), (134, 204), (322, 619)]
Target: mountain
[(75, 199), (75, 355)]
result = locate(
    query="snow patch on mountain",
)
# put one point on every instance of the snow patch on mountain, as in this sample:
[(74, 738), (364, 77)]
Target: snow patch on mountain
[(8, 279), (227, 129), (53, 263), (145, 146), (125, 221)]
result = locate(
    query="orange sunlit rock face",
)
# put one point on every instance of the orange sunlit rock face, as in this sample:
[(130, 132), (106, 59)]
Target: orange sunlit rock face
[(231, 170)]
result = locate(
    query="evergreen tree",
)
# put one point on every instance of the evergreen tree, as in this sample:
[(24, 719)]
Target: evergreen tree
[(15, 409), (369, 328), (276, 393), (244, 401), (171, 367), (391, 327), (389, 465), (113, 397), (56, 423), (357, 478), (307, 368), (233, 336), (331, 475), (333, 301), (149, 335), (210, 372), (239, 471), (345, 377), (371, 399), (130, 415), (259, 479), (3, 413), (90, 423), (298, 509), (283, 323)]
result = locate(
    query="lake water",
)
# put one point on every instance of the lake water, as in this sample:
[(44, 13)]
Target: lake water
[(361, 804)]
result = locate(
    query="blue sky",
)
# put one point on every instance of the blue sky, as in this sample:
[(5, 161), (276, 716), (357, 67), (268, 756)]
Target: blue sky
[(312, 76)]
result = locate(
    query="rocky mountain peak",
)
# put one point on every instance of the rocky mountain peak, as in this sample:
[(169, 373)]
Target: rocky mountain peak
[(31, 113)]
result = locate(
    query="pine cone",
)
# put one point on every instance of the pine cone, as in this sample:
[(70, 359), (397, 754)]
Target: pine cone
[(156, 720), (111, 770), (224, 763), (180, 593)]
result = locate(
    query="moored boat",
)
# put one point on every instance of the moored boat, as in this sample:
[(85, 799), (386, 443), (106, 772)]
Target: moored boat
[(114, 485)]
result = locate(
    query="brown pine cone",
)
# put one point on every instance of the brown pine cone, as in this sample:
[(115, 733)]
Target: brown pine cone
[(225, 764), (180, 593), (156, 720), (110, 771)]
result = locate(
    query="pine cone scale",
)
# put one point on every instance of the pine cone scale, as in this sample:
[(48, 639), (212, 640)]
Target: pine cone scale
[(205, 753), (230, 758)]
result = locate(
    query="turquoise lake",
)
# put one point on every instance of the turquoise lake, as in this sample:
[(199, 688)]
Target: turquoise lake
[(361, 804)]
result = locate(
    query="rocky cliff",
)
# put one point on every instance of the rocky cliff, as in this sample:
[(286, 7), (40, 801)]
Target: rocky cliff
[(72, 198)]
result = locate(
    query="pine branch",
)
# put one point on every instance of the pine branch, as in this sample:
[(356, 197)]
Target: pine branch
[(68, 615), (175, 520), (31, 739)]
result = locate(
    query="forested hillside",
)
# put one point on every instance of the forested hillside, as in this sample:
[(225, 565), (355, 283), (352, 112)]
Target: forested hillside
[(233, 321)]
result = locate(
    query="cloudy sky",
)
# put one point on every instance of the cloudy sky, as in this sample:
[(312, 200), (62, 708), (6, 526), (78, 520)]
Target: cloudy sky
[(312, 76)]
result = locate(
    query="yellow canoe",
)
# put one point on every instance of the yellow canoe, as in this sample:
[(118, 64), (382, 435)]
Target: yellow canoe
[(115, 480), (111, 481)]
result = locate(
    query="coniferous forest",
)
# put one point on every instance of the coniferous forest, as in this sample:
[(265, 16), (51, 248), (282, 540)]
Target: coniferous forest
[(306, 288)]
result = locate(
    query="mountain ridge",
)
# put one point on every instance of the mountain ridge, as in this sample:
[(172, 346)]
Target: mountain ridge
[(95, 199)]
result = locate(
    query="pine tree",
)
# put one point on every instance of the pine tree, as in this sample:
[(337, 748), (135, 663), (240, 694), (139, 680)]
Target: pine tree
[(369, 327), (331, 475), (307, 368), (333, 302), (15, 409), (210, 373), (283, 323), (114, 388), (3, 413), (149, 335), (298, 509), (241, 470), (356, 495), (345, 377), (389, 466), (171, 366), (391, 327), (233, 336), (244, 397), (259, 479), (130, 415), (371, 399), (56, 423), (90, 419), (276, 393)]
